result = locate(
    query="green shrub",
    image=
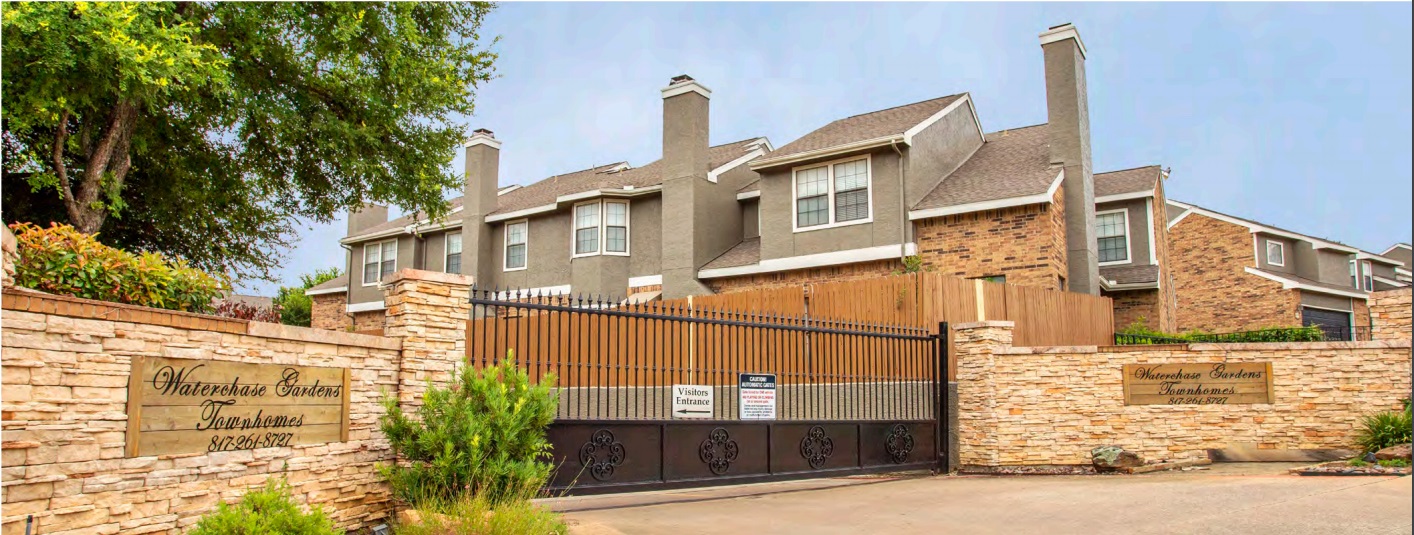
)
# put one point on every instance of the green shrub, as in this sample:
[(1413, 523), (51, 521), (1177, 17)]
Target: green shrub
[(1384, 429), (476, 515), (1138, 334), (483, 436), (295, 307), (61, 260), (1394, 463), (1357, 462), (267, 510)]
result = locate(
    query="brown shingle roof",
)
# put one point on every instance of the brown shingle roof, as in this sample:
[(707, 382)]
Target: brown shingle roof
[(1127, 181), (889, 122), (336, 282), (1012, 163), (1130, 274), (546, 191), (746, 253)]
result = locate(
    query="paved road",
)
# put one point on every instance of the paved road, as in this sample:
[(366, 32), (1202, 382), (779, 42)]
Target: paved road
[(1227, 500)]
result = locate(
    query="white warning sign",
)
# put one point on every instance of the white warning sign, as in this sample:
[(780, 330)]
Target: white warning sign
[(757, 396)]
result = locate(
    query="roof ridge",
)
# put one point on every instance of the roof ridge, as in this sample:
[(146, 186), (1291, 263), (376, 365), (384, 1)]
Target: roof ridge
[(898, 106), (1160, 166), (1017, 128), (753, 138)]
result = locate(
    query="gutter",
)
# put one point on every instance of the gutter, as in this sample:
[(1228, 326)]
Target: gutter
[(902, 206), (828, 151)]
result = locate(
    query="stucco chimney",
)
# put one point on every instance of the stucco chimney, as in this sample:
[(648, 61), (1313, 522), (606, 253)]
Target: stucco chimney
[(1068, 133), (685, 143), (366, 217), (483, 174)]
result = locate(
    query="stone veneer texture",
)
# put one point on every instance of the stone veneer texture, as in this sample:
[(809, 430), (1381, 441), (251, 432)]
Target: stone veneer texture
[(1390, 312)]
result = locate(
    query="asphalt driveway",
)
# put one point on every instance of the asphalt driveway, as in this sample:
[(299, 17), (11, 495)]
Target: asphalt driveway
[(1226, 499)]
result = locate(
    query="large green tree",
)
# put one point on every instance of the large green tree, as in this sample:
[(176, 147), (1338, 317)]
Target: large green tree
[(206, 130)]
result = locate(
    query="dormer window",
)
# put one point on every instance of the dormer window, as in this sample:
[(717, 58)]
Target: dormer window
[(1276, 253), (834, 194)]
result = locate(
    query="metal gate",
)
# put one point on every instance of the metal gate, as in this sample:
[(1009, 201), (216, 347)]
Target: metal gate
[(651, 394)]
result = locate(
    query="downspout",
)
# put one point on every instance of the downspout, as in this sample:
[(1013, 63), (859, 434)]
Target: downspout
[(902, 208), (348, 288)]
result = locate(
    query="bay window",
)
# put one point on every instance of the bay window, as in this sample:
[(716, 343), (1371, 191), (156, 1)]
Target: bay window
[(601, 227), (833, 194), (379, 260)]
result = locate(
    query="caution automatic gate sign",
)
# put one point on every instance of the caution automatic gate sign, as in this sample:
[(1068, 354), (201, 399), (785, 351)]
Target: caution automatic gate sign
[(757, 396)]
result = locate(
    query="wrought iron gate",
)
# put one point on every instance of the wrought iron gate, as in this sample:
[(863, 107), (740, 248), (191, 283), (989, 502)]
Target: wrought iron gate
[(849, 397)]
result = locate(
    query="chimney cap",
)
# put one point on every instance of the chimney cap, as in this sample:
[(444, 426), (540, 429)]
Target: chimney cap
[(482, 136), (1062, 32), (683, 83)]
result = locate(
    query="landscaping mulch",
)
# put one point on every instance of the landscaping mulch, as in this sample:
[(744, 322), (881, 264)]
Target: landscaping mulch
[(1343, 468)]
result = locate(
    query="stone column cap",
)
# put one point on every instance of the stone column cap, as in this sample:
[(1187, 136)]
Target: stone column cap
[(984, 324), (429, 276)]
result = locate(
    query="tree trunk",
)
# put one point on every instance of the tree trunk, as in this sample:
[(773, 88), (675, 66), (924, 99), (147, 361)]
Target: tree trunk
[(109, 158)]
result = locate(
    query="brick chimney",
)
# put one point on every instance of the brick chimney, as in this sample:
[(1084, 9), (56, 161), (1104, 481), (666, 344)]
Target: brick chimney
[(1068, 133), (366, 217), (685, 143), (483, 170)]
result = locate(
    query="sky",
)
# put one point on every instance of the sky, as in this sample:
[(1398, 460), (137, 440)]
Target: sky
[(1297, 115)]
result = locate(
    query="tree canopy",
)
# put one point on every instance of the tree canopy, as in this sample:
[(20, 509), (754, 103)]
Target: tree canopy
[(205, 130)]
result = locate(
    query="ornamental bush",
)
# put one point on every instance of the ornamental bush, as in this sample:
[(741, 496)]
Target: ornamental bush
[(61, 260), (1138, 334), (483, 436), (1384, 429), (266, 510)]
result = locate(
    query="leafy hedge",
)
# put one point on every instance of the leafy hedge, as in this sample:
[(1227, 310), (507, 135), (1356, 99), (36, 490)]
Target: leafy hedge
[(61, 260), (1138, 334), (267, 510)]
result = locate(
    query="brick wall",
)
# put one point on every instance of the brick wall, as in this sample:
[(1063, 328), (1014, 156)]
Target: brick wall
[(1138, 306), (373, 320), (1024, 243), (328, 311), (66, 369), (1390, 312), (847, 272), (1051, 405), (1207, 257), (1167, 306)]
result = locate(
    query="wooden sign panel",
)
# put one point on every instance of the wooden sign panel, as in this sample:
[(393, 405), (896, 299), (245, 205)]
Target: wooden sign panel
[(195, 406), (1224, 383)]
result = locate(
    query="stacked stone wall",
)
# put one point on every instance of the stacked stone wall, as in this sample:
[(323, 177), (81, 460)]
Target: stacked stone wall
[(1390, 313)]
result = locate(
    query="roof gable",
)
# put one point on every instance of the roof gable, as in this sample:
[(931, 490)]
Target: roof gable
[(893, 121)]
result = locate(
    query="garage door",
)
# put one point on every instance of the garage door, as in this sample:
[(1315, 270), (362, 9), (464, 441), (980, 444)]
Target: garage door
[(1335, 324)]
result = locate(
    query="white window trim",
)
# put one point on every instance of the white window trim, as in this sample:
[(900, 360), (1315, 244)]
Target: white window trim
[(604, 228), (506, 244), (830, 194), (446, 248), (364, 266), (1128, 242), (1281, 247), (574, 229), (1367, 275)]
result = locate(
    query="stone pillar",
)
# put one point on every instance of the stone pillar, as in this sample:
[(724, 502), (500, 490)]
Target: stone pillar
[(428, 310), (9, 254), (976, 345)]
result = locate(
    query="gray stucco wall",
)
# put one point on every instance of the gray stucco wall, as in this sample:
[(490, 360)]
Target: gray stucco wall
[(1401, 254), (1333, 267), (939, 150), (358, 293), (778, 210), (547, 256), (1291, 256), (645, 237), (750, 224), (718, 215), (434, 248), (1172, 211), (1325, 301), (1138, 229)]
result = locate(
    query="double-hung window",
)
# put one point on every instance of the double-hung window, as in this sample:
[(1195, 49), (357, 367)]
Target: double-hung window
[(1367, 275), (1112, 235), (833, 194), (1354, 276), (453, 262), (517, 239), (601, 227), (1276, 253), (379, 260)]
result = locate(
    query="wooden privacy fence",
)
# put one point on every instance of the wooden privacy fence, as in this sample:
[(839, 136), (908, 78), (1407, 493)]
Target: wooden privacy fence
[(1043, 317)]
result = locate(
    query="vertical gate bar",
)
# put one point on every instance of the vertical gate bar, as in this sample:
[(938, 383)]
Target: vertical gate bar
[(940, 404)]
